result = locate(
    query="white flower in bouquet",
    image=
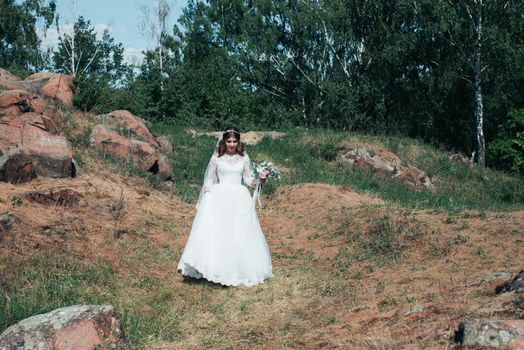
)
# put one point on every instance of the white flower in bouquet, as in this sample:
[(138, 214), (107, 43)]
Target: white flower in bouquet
[(269, 168)]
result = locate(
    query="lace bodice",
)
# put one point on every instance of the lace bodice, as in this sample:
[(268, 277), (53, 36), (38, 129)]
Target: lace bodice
[(232, 170)]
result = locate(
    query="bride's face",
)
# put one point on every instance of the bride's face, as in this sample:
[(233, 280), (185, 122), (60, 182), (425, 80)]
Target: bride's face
[(231, 145)]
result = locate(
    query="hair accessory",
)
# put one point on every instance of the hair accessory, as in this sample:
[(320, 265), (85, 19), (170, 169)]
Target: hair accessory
[(231, 130)]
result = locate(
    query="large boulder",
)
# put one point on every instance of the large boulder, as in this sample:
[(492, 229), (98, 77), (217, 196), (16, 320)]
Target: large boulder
[(79, 327), (144, 156), (9, 81), (140, 153), (30, 146), (165, 171), (52, 85), (18, 102), (131, 122), (15, 102), (47, 85), (413, 177), (497, 334)]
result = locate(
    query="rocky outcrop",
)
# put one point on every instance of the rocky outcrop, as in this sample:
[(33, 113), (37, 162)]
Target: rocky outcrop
[(127, 120), (18, 102), (52, 85), (386, 164), (30, 142), (140, 153), (29, 146), (15, 102), (144, 152), (492, 334), (79, 327), (9, 81)]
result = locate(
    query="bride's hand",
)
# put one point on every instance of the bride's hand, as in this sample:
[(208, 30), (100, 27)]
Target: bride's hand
[(263, 176), (207, 189)]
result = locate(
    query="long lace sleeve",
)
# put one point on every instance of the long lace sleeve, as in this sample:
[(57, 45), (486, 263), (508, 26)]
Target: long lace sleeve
[(211, 173), (210, 178), (248, 175)]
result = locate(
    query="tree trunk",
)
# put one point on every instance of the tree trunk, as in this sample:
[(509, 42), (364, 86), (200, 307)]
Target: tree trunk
[(481, 146), (304, 115), (72, 44), (159, 32)]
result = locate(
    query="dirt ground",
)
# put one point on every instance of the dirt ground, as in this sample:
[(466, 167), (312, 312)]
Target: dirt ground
[(446, 272)]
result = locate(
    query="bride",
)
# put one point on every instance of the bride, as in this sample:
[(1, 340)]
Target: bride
[(226, 244)]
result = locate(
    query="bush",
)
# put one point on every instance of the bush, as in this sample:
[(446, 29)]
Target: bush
[(507, 151)]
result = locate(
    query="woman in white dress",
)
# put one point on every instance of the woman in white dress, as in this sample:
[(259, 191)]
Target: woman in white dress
[(226, 244)]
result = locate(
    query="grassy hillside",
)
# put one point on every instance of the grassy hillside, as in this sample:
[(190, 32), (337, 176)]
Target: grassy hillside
[(352, 252), (311, 156)]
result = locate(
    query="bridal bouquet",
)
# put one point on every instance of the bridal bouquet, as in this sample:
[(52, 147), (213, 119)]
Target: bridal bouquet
[(271, 171), (269, 168)]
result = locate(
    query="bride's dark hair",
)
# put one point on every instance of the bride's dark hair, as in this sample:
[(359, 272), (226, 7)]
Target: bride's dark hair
[(230, 131)]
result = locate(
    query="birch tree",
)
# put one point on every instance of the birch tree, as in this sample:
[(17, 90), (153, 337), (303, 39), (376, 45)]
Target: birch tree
[(475, 15), (155, 25), (98, 63)]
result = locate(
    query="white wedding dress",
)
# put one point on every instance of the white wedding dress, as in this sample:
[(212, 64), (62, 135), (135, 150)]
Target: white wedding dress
[(226, 244)]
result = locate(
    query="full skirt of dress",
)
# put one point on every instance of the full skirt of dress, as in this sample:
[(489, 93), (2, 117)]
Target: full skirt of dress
[(226, 244)]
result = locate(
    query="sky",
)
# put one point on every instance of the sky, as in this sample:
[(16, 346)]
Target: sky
[(120, 17)]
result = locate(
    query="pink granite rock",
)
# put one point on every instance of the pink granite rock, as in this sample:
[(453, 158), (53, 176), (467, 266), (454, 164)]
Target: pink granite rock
[(131, 122), (78, 327), (140, 153), (496, 334), (52, 85), (30, 146)]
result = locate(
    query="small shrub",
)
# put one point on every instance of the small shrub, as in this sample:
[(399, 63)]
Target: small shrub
[(325, 151), (507, 150), (385, 241), (82, 139)]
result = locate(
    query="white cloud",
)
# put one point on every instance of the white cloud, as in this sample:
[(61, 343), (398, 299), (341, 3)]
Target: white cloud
[(100, 27), (133, 55), (50, 37)]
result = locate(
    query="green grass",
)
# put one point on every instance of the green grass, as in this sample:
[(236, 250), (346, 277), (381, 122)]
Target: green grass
[(127, 168), (190, 160), (43, 282), (311, 156), (46, 281)]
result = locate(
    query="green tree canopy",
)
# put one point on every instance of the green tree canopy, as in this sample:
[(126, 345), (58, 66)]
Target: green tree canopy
[(19, 41), (97, 65)]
